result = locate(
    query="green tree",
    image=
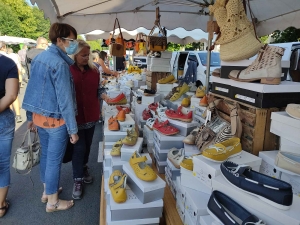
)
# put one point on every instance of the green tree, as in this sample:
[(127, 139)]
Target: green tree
[(43, 24), (9, 24), (290, 34), (173, 47)]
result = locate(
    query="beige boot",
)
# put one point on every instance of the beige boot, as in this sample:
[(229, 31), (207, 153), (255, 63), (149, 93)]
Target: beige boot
[(266, 67)]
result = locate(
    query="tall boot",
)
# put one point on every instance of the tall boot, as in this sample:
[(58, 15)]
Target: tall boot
[(266, 67)]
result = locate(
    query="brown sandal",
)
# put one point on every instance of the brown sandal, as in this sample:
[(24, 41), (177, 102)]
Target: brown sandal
[(45, 199), (70, 204), (4, 209)]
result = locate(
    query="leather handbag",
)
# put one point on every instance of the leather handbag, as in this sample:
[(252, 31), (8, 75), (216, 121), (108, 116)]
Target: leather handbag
[(140, 44), (218, 129), (27, 156), (115, 48), (157, 43)]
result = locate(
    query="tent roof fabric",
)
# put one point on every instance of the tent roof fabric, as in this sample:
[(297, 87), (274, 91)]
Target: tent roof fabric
[(91, 15)]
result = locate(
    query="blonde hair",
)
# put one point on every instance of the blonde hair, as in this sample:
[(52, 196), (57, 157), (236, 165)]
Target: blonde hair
[(82, 44)]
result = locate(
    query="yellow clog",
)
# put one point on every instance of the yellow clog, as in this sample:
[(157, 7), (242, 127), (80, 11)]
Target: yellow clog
[(167, 80), (116, 149), (200, 92)]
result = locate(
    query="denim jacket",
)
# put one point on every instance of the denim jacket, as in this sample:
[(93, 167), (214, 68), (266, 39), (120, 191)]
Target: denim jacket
[(50, 91)]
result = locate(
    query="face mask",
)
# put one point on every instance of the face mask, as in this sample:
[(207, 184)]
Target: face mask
[(72, 48)]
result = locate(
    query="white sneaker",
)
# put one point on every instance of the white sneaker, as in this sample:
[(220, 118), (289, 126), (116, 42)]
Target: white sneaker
[(193, 87), (130, 84), (138, 77)]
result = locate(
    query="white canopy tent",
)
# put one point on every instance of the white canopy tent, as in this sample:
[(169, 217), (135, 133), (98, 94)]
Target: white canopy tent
[(178, 35), (16, 40), (90, 15)]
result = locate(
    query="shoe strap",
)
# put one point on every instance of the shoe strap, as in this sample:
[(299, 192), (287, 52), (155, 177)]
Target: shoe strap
[(239, 170), (139, 159)]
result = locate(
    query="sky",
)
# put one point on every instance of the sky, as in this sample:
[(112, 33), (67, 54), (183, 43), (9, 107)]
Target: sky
[(29, 3)]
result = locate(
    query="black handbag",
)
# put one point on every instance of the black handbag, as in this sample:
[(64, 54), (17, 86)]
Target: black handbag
[(68, 153)]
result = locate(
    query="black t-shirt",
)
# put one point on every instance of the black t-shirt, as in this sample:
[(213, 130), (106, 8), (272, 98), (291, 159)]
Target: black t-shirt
[(120, 63), (8, 69)]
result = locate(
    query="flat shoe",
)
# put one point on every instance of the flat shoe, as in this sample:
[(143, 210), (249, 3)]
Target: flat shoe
[(45, 199), (4, 209), (56, 205)]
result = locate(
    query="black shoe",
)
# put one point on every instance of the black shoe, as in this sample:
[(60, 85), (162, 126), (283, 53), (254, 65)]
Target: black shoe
[(139, 99), (88, 179), (225, 210), (270, 190), (148, 92)]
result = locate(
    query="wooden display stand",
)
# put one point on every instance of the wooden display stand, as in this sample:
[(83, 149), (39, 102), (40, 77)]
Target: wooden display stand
[(256, 123), (170, 214), (153, 77)]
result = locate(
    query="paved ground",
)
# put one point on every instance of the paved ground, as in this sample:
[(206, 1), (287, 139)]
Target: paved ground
[(25, 191)]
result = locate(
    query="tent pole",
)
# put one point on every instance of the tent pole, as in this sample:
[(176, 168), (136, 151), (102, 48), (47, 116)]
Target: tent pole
[(208, 59)]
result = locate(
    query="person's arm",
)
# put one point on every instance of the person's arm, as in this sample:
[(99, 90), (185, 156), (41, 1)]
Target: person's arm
[(106, 70), (11, 93)]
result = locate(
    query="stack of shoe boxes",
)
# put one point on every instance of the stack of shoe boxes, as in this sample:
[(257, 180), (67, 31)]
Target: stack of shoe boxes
[(148, 135), (162, 145), (164, 89)]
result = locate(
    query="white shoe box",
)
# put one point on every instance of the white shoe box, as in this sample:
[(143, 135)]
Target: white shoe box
[(204, 170), (107, 170), (289, 146), (268, 164), (145, 191), (168, 142), (142, 122), (194, 101), (162, 154), (190, 150), (150, 146), (128, 124), (196, 204), (127, 150), (164, 87), (198, 119), (113, 93), (188, 219), (107, 157), (294, 180), (138, 110), (188, 180), (147, 100), (138, 83), (268, 213), (149, 221), (206, 220), (148, 133), (109, 145), (170, 183), (180, 192), (172, 171), (183, 127), (285, 126), (160, 165), (181, 211), (133, 209), (113, 136), (199, 110)]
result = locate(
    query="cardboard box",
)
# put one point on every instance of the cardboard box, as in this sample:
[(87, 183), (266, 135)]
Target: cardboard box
[(149, 221), (268, 213), (183, 127), (268, 164), (128, 124), (162, 154), (168, 142), (145, 191), (147, 100), (172, 171), (133, 209), (285, 126), (204, 170), (127, 151), (206, 220), (188, 180), (190, 150), (160, 165), (180, 192), (287, 145), (196, 202)]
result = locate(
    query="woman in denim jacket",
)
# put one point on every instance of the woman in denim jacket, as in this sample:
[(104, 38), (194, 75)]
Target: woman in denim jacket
[(51, 107), (9, 86)]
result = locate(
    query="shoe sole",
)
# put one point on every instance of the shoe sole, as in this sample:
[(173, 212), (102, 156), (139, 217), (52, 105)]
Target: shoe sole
[(267, 201), (121, 102), (76, 198), (203, 105), (184, 105), (148, 94), (232, 156), (165, 134), (87, 182), (121, 120), (184, 120), (263, 80)]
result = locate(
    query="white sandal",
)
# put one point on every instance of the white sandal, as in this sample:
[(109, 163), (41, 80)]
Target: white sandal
[(150, 123), (176, 156)]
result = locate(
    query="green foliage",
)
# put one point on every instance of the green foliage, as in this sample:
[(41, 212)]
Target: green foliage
[(21, 20), (290, 34), (173, 47), (94, 45), (264, 39), (195, 46)]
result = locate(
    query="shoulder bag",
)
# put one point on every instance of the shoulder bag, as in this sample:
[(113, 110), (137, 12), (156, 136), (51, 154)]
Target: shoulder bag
[(115, 48)]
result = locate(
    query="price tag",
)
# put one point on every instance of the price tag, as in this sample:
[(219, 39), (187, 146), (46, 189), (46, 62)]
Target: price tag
[(245, 98)]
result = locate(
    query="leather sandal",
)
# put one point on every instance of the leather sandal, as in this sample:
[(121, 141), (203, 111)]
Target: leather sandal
[(70, 204), (4, 209), (45, 199)]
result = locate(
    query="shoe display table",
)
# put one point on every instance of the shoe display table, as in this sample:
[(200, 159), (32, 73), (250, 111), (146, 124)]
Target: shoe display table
[(170, 213)]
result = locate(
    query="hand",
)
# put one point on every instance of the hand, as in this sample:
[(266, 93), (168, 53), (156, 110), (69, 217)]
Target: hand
[(74, 138), (31, 126), (116, 74)]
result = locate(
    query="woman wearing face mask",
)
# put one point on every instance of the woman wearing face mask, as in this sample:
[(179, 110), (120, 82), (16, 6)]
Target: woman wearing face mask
[(50, 106), (103, 68), (86, 79)]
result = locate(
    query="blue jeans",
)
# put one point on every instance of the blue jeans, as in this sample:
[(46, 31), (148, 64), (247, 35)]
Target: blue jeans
[(54, 143), (81, 151), (7, 131)]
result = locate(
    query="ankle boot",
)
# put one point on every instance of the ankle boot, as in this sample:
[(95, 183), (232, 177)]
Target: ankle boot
[(266, 67)]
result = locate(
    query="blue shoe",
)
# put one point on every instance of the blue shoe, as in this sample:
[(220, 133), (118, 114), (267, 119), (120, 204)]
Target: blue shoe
[(270, 190), (228, 212)]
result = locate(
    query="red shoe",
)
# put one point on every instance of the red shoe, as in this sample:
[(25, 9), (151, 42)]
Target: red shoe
[(125, 108), (119, 100), (179, 115), (165, 128), (153, 106), (147, 114)]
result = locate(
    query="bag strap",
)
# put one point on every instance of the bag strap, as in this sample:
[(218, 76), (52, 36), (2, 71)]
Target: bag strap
[(117, 23), (157, 24), (246, 2)]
